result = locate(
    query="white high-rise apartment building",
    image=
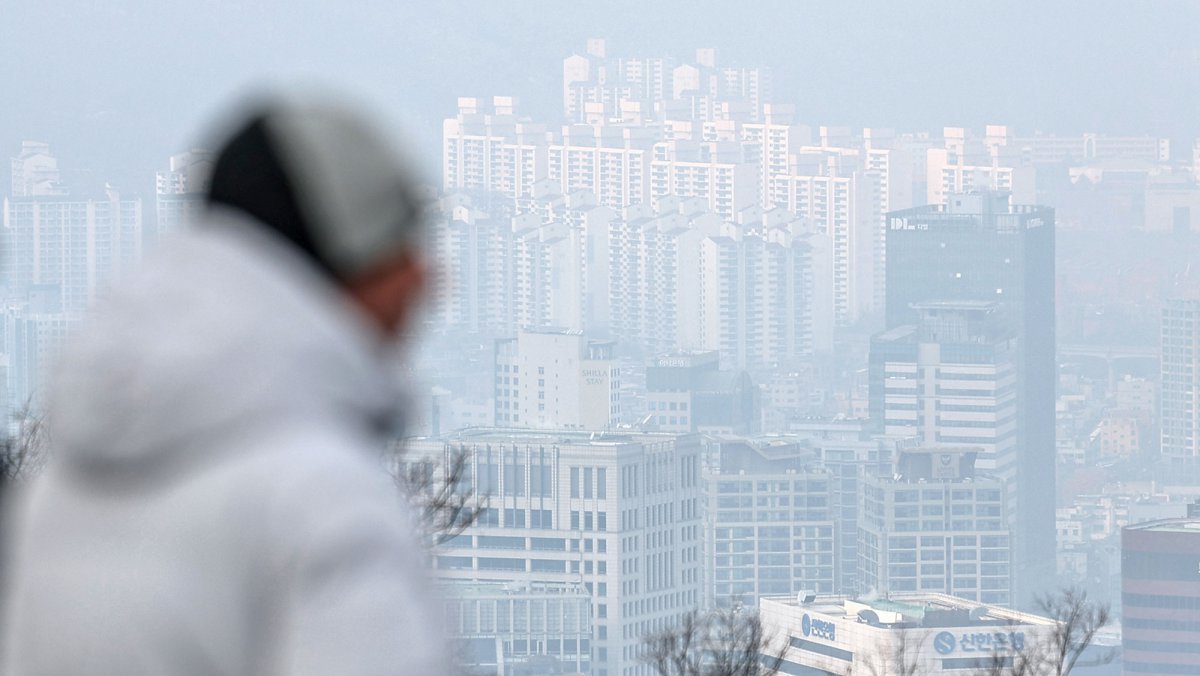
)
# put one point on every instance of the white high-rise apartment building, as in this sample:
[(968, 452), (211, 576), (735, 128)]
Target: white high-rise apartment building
[(721, 92), (33, 335), (489, 149), (1180, 380), (968, 164), (553, 379), (654, 271), (594, 81), (75, 244), (474, 289), (842, 200), (757, 294), (619, 515), (716, 172), (561, 257), (773, 144), (180, 189), (612, 163), (658, 280), (596, 86), (35, 171)]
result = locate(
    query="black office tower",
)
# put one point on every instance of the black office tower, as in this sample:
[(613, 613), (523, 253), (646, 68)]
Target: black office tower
[(978, 247)]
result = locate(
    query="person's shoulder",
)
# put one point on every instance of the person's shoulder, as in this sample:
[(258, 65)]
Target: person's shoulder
[(312, 470)]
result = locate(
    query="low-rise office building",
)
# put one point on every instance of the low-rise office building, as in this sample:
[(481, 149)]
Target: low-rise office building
[(901, 634)]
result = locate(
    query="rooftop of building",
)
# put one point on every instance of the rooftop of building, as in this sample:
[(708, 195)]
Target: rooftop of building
[(910, 610), (561, 436), (476, 589), (1181, 525)]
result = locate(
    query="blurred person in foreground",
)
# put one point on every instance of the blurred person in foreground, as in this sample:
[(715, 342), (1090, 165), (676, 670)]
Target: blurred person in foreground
[(216, 502)]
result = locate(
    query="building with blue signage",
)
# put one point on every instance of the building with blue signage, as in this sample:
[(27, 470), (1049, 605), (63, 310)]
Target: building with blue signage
[(903, 633)]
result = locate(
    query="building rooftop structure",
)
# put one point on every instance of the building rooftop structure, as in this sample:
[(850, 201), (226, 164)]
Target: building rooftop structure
[(1182, 525), (925, 633), (912, 610)]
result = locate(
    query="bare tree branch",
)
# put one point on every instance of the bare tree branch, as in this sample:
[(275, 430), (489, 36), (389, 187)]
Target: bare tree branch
[(724, 642), (1077, 620), (446, 502), (903, 659), (23, 454)]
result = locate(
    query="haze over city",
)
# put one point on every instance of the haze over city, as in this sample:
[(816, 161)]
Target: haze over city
[(705, 338)]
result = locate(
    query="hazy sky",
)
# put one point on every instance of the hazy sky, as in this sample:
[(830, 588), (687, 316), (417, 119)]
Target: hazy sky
[(116, 85)]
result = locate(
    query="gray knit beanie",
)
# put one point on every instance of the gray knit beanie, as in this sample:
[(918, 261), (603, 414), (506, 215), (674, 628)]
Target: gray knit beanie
[(325, 178)]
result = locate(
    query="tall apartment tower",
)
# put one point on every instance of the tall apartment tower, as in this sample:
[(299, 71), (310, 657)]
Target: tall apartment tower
[(757, 297), (979, 247), (179, 189), (936, 526), (1180, 380), (486, 147), (35, 171), (618, 515), (74, 243)]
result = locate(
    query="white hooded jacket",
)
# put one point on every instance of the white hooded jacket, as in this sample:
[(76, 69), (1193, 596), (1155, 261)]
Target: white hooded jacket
[(216, 503)]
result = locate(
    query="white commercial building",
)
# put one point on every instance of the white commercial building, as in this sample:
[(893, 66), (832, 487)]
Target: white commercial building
[(898, 634), (951, 379), (936, 526), (551, 379), (618, 515), (770, 523), (513, 628)]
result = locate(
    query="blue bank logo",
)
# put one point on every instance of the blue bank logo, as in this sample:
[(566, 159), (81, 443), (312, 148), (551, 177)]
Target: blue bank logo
[(818, 628), (944, 643)]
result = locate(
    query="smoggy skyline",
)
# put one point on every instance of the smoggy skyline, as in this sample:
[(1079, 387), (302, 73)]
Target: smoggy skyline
[(115, 88)]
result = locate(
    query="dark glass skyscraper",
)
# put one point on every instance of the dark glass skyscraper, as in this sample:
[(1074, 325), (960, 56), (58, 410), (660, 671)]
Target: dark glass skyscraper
[(978, 247)]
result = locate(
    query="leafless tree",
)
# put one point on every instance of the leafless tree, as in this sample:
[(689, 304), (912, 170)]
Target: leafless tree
[(23, 453), (1077, 620), (1020, 663), (446, 502), (903, 658), (723, 642)]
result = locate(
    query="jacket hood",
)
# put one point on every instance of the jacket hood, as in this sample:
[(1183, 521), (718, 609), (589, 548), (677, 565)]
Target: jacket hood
[(224, 331)]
